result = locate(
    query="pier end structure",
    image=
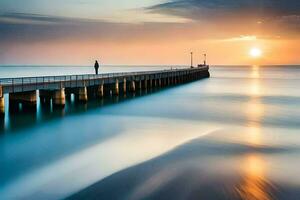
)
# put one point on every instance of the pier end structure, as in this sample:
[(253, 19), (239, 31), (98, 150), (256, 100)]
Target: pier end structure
[(55, 89)]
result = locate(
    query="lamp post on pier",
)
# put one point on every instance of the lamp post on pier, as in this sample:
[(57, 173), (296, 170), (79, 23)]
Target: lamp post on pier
[(192, 60)]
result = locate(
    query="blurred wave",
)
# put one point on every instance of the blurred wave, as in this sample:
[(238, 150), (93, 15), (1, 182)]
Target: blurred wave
[(199, 169)]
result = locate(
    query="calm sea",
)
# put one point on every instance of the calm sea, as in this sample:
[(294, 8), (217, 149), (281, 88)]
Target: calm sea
[(232, 136)]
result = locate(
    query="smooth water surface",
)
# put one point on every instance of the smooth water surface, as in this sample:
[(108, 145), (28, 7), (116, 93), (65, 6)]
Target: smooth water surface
[(232, 136)]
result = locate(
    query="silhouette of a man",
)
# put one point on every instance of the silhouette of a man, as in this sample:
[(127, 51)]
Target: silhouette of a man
[(96, 66)]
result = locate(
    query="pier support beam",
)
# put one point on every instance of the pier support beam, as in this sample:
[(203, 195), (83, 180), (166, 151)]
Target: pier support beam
[(107, 89), (116, 88), (68, 96), (124, 86), (150, 83), (82, 94), (132, 86), (45, 96), (28, 100), (59, 98), (140, 85), (2, 103), (144, 84), (68, 93), (2, 106), (100, 90)]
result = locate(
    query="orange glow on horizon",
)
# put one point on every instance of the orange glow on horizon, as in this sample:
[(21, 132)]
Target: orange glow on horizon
[(150, 51)]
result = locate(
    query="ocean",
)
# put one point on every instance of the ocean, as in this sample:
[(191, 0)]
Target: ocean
[(234, 135)]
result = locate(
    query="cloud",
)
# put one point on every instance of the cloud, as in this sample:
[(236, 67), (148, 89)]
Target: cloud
[(23, 18), (28, 28), (241, 38), (197, 8), (281, 16)]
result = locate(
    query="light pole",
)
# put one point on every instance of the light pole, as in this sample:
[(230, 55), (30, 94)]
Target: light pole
[(204, 58)]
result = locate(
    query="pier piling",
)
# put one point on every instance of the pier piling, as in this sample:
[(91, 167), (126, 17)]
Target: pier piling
[(150, 83), (139, 85), (45, 96), (59, 98), (2, 103), (27, 99), (124, 86), (2, 106), (100, 90), (82, 94), (132, 86), (116, 89)]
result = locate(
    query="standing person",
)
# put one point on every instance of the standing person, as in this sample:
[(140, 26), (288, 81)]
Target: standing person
[(96, 66)]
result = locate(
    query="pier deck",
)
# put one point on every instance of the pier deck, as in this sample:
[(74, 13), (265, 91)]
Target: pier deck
[(24, 90)]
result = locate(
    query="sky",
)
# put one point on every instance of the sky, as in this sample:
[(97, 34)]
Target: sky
[(76, 32)]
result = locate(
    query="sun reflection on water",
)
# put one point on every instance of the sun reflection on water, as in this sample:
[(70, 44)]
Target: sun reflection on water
[(255, 84), (255, 185), (255, 136), (255, 71), (254, 112)]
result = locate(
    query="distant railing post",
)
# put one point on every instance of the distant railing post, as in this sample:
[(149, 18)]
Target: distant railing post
[(22, 84), (76, 80), (13, 84)]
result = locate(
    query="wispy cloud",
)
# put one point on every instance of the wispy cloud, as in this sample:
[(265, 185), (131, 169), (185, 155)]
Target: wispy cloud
[(241, 38), (247, 17), (26, 28), (142, 16), (229, 7), (24, 18)]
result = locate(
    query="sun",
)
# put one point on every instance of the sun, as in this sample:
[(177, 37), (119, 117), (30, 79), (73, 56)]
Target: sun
[(255, 52)]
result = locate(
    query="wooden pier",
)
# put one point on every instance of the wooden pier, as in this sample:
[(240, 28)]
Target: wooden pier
[(56, 89)]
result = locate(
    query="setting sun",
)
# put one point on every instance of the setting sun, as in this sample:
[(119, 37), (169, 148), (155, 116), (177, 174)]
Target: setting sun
[(255, 52)]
